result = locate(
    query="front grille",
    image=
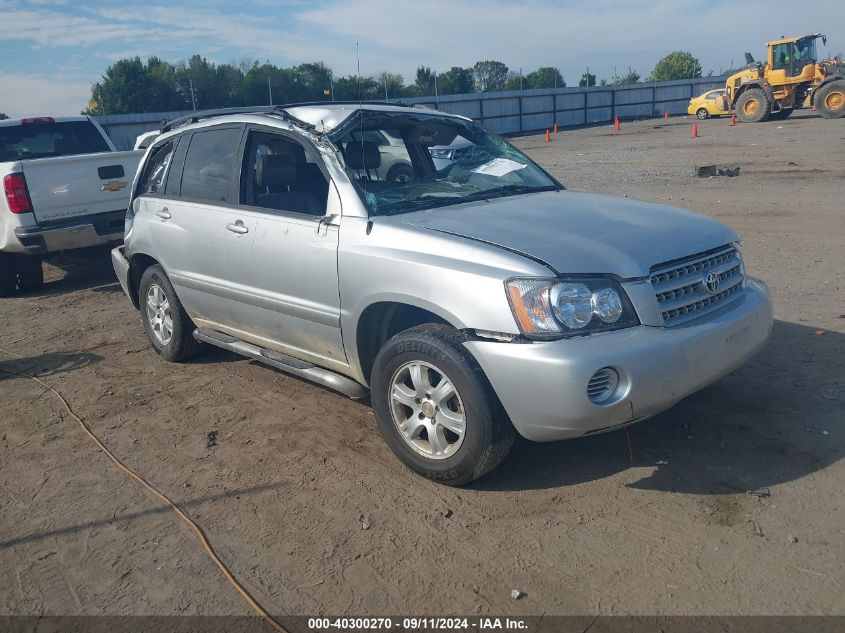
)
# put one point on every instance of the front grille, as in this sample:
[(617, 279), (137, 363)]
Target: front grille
[(681, 290)]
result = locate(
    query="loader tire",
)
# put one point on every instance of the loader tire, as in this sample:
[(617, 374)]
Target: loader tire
[(753, 106), (830, 100)]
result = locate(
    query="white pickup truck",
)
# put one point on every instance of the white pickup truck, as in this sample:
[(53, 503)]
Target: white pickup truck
[(65, 186)]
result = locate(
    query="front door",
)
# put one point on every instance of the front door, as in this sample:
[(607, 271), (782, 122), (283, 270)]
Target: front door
[(281, 250)]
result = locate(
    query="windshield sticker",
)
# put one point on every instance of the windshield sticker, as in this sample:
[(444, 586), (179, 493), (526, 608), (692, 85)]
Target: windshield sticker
[(499, 167)]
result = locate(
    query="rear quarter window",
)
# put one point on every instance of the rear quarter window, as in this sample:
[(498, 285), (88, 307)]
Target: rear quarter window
[(46, 140)]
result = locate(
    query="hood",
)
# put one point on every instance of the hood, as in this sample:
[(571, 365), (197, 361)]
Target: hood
[(575, 232)]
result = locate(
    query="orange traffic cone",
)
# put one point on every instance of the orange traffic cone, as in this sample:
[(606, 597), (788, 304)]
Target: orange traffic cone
[(665, 116), (733, 120), (616, 125), (548, 137), (694, 133), (555, 127)]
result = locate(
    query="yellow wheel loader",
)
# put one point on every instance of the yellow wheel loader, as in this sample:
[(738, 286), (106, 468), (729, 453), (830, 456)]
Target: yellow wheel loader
[(791, 78)]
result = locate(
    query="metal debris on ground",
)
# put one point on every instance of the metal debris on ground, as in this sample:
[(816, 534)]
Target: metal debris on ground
[(711, 171), (211, 439), (516, 594), (760, 492)]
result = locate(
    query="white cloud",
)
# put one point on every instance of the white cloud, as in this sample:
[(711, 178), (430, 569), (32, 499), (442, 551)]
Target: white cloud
[(42, 96)]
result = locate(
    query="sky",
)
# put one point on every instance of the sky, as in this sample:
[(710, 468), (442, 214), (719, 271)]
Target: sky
[(52, 51)]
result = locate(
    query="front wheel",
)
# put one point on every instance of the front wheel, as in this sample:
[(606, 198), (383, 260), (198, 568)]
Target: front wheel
[(702, 114), (167, 325), (752, 106), (435, 407), (830, 100)]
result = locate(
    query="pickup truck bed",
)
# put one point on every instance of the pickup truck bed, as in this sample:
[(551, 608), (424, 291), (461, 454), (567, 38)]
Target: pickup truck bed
[(65, 187)]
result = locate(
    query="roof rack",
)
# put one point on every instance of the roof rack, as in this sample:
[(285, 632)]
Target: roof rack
[(279, 110), (193, 117)]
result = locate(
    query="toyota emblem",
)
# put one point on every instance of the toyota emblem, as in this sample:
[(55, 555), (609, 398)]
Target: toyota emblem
[(711, 283)]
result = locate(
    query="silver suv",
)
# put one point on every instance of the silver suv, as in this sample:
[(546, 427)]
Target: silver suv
[(471, 303)]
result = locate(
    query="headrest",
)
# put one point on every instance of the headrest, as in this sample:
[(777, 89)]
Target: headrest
[(294, 151), (362, 155), (275, 171)]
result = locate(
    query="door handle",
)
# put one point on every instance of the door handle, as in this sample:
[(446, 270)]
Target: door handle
[(163, 213), (238, 227)]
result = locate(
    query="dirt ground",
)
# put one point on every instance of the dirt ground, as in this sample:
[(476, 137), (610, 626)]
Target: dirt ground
[(657, 520)]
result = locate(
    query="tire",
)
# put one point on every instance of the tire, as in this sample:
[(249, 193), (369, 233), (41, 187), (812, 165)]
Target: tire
[(400, 173), (702, 114), (752, 106), (8, 277), (29, 272), (830, 100), (438, 353), (159, 306)]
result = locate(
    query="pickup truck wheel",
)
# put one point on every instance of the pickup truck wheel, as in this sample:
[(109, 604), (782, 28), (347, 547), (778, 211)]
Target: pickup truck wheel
[(30, 273), (435, 408), (8, 277), (166, 323)]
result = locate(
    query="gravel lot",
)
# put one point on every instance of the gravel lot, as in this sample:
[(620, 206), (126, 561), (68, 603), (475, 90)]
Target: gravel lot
[(656, 520)]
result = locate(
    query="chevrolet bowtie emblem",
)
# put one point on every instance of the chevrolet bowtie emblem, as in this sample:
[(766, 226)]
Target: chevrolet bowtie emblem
[(114, 185)]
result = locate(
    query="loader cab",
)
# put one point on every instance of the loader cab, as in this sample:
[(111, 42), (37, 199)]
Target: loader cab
[(792, 60)]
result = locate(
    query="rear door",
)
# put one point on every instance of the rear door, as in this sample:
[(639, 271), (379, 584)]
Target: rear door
[(186, 225)]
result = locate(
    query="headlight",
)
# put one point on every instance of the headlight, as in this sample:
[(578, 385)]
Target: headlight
[(553, 308)]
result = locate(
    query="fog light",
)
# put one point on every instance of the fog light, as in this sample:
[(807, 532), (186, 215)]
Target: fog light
[(602, 385)]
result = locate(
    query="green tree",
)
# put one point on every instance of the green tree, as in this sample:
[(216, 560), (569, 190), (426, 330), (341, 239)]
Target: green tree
[(514, 81), (631, 78), (347, 88), (545, 77), (3, 115), (312, 80), (676, 65), (587, 79), (395, 84), (129, 85), (424, 81), (455, 81), (489, 75)]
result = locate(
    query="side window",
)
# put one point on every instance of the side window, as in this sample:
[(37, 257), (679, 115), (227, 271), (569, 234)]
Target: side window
[(782, 56), (278, 174), (155, 171), (209, 164)]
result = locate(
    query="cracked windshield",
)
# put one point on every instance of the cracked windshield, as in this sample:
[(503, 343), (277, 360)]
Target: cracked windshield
[(410, 162)]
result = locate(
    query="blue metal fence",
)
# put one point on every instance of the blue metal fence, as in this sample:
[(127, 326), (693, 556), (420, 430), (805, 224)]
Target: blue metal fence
[(506, 112)]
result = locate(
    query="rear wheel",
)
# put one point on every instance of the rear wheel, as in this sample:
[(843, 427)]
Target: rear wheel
[(830, 100), (8, 277), (702, 114), (435, 407), (30, 273), (752, 106), (400, 173), (167, 325)]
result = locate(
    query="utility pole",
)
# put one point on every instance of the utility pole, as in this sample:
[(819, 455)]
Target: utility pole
[(435, 90), (193, 99), (331, 83), (270, 88), (520, 79), (384, 77)]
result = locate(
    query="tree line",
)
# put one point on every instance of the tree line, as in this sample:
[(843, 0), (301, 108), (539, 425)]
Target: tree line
[(132, 85)]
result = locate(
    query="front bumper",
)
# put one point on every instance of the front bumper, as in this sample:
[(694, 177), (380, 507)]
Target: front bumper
[(543, 386), (121, 268)]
